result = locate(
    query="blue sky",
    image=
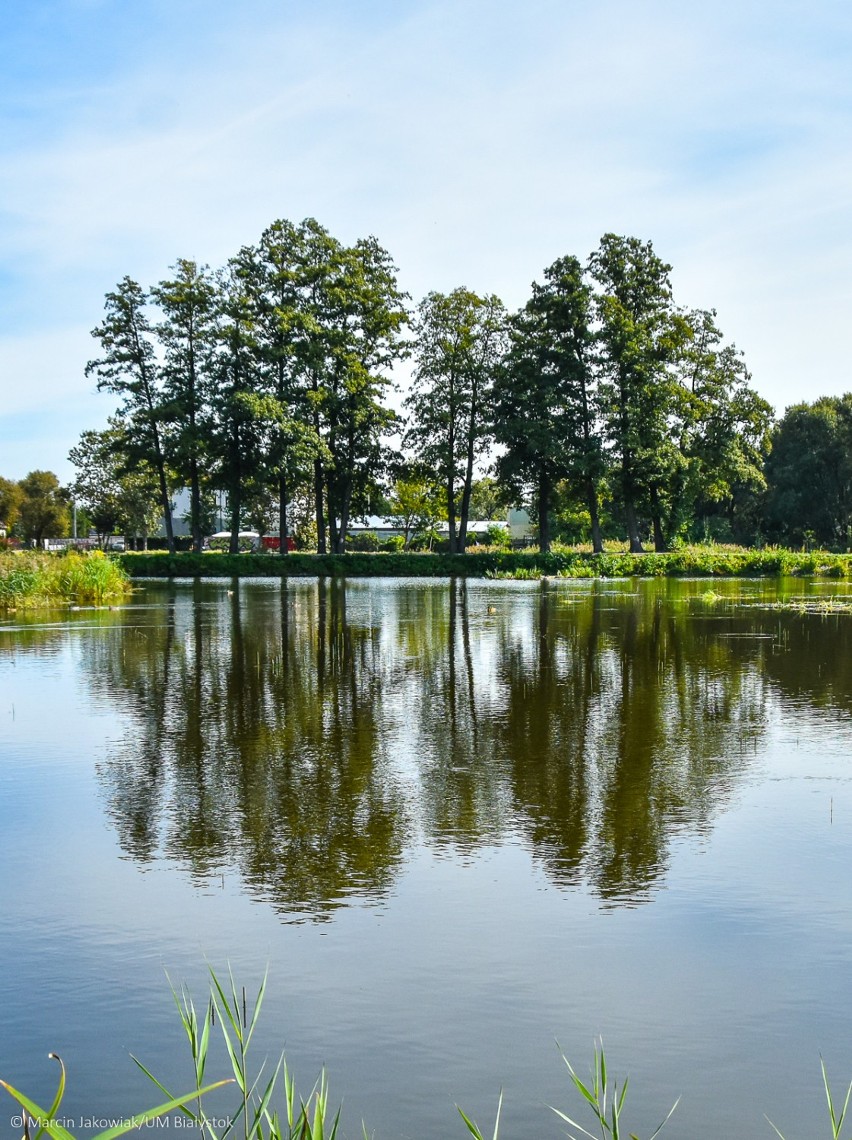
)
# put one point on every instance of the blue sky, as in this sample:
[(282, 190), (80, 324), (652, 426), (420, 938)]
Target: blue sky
[(477, 139)]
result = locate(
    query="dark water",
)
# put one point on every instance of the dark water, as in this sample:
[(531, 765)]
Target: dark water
[(460, 823)]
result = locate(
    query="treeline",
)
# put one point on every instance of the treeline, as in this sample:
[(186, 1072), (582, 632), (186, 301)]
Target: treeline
[(603, 405)]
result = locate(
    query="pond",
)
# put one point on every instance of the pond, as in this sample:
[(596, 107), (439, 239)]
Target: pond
[(460, 822)]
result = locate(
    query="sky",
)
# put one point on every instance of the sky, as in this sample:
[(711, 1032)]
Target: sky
[(478, 140)]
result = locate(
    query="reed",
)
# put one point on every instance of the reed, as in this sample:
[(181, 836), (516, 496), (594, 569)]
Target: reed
[(268, 1106), (563, 562), (38, 1122), (35, 580), (836, 1118)]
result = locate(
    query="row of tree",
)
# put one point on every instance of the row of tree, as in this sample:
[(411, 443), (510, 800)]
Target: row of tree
[(602, 404)]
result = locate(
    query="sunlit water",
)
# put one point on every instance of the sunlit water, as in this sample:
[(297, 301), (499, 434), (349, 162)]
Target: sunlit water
[(460, 823)]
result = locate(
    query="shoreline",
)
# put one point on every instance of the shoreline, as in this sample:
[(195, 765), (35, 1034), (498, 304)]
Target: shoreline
[(693, 562)]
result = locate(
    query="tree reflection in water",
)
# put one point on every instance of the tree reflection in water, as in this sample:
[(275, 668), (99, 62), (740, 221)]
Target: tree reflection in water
[(313, 734)]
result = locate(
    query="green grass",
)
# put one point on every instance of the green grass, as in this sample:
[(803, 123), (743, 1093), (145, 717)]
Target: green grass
[(268, 1106), (693, 561), (34, 580)]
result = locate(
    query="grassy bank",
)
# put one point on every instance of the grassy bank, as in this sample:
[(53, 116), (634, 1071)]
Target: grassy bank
[(32, 580), (695, 561)]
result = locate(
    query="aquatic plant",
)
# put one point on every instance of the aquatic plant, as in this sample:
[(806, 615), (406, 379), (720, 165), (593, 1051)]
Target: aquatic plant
[(33, 579), (605, 1099), (269, 1107), (695, 562), (835, 1118), (255, 1113), (37, 1122)]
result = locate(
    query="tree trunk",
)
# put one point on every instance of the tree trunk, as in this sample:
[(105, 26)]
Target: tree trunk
[(235, 496), (544, 512), (465, 502), (592, 502), (167, 506), (633, 529), (195, 507), (628, 491), (282, 515), (660, 544), (318, 506), (451, 514)]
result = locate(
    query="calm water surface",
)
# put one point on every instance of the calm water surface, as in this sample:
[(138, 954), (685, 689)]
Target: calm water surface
[(459, 822)]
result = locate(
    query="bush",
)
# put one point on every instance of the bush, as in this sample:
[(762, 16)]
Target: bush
[(365, 540), (498, 535), (688, 562)]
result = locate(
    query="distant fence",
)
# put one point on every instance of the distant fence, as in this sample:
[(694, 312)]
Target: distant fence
[(113, 542)]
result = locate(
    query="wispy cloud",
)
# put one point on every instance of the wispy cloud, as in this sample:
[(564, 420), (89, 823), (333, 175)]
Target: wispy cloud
[(477, 140)]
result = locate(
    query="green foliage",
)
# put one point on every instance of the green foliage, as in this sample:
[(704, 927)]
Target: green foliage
[(365, 540), (187, 334), (46, 1121), (116, 492), (268, 1107), (474, 1128), (605, 1100), (416, 501), (688, 561), (128, 369), (42, 507), (31, 580), (10, 502), (639, 338), (545, 399), (836, 1118), (269, 380), (498, 536), (489, 499), (809, 472), (460, 340)]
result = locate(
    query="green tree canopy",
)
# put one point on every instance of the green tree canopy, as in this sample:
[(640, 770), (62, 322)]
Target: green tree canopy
[(639, 336), (460, 341), (544, 400), (10, 502), (43, 507), (809, 473), (128, 368)]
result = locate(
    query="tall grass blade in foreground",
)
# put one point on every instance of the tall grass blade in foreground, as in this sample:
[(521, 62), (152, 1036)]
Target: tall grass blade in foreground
[(255, 1116), (473, 1127), (605, 1100), (48, 1124), (836, 1120)]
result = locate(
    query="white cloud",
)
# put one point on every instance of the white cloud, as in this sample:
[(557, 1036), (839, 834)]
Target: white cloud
[(477, 141)]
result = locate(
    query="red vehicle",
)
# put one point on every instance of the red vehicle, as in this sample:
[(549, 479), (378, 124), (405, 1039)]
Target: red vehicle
[(273, 542)]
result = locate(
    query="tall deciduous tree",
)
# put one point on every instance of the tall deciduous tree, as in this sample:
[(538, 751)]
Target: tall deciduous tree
[(115, 491), (235, 436), (363, 315), (639, 337), (283, 295), (724, 433), (128, 368), (43, 507), (460, 342), (544, 402), (187, 333), (10, 502), (809, 472)]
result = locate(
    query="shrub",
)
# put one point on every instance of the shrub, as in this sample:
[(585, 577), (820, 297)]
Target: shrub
[(365, 540)]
